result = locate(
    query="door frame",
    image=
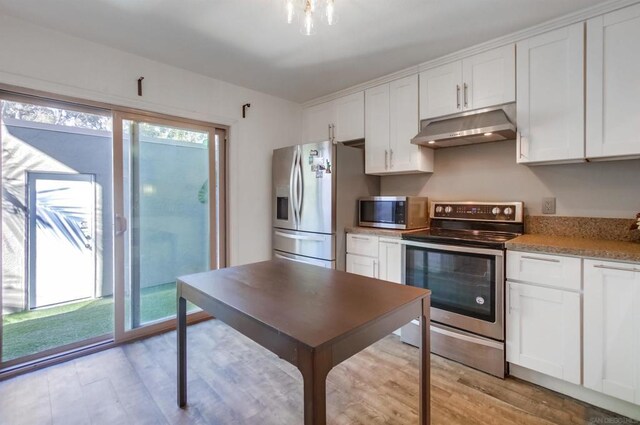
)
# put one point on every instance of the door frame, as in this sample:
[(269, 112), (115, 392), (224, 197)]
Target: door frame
[(217, 214), (10, 92), (30, 263)]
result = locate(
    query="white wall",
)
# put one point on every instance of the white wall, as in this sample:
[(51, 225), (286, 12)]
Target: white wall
[(488, 172), (38, 58)]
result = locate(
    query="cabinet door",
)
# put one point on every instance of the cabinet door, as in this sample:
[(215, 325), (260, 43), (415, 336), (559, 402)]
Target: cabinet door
[(489, 78), (613, 84), (612, 329), (441, 90), (404, 125), (543, 330), (550, 105), (376, 129), (316, 122), (390, 260), (349, 124), (364, 266)]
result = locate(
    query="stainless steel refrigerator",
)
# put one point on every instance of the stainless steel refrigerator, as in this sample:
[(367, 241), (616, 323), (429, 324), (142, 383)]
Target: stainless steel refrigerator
[(315, 192)]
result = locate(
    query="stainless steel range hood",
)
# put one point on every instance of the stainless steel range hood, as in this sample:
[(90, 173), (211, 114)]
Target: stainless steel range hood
[(479, 126)]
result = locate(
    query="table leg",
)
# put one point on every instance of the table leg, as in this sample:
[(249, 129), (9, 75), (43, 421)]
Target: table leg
[(182, 351), (425, 364), (315, 367)]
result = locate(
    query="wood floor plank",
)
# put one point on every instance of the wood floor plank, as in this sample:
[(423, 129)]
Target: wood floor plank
[(234, 381)]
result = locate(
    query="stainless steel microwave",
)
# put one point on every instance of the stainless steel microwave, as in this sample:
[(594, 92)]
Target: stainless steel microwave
[(393, 212)]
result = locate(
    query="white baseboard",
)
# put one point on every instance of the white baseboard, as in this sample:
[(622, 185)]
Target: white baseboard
[(576, 391)]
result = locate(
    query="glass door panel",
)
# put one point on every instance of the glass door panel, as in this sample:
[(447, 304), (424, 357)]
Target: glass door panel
[(462, 283), (166, 199), (57, 244)]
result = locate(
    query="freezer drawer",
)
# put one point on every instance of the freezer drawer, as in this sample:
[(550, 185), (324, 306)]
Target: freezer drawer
[(314, 245), (305, 260)]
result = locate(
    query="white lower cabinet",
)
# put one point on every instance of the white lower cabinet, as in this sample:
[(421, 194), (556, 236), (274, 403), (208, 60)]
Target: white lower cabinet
[(543, 330), (375, 256), (612, 329), (364, 266), (390, 260)]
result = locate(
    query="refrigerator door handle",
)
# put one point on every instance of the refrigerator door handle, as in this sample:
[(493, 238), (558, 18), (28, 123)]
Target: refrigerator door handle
[(299, 186), (292, 187)]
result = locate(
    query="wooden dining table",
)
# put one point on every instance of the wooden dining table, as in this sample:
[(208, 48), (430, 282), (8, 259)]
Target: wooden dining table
[(311, 317)]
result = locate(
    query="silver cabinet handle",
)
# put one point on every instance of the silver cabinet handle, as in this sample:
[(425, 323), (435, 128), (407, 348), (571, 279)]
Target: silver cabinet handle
[(466, 99), (333, 132), (360, 238), (520, 138), (548, 260), (391, 158), (457, 96), (330, 137), (386, 158), (374, 268), (623, 269)]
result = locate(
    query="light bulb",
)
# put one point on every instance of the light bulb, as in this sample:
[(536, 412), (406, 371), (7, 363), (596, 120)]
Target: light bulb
[(330, 12), (306, 23), (290, 11)]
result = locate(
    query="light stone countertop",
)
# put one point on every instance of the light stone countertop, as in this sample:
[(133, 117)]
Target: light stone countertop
[(581, 247), (381, 232)]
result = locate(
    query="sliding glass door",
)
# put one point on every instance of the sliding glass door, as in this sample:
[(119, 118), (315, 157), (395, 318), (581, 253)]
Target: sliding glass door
[(172, 211), (102, 211), (57, 243)]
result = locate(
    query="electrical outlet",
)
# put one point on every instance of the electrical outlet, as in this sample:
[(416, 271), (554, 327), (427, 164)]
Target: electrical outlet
[(548, 205)]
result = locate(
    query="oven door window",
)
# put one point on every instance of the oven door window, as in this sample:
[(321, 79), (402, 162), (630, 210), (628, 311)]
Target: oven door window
[(462, 283), (377, 211)]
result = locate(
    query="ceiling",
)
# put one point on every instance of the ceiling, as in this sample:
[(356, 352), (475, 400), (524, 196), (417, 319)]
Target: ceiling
[(248, 42)]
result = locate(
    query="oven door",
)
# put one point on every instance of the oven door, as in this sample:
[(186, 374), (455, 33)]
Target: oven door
[(467, 285)]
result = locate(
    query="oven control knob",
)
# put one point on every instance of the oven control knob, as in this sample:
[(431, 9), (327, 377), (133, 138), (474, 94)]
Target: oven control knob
[(508, 211), (439, 209), (495, 211), (448, 209)]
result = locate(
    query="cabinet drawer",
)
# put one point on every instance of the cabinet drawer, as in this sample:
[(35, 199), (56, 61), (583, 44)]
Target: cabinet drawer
[(362, 245), (544, 269)]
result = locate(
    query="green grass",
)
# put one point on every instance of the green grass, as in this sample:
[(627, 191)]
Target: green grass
[(30, 332)]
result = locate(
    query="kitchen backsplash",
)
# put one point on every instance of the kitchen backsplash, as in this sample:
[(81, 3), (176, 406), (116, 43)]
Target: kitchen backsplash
[(615, 229), (489, 172)]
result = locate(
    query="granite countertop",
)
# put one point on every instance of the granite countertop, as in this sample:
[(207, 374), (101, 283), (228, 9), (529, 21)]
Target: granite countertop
[(582, 247), (381, 232)]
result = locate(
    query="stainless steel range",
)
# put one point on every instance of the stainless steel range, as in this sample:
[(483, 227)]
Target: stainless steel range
[(460, 258)]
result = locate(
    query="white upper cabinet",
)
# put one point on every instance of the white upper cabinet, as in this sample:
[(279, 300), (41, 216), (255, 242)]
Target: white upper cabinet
[(318, 121), (482, 80), (489, 78), (550, 106), (349, 121), (613, 84), (612, 329), (340, 120), (376, 135), (391, 121), (441, 90)]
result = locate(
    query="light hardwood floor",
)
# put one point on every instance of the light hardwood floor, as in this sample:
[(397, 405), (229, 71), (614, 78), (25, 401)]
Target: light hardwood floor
[(232, 380)]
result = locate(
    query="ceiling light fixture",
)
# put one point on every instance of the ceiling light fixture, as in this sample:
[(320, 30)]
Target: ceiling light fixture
[(488, 134), (431, 142), (307, 10)]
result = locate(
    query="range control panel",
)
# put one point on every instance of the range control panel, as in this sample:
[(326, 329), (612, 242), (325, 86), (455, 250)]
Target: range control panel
[(498, 211)]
